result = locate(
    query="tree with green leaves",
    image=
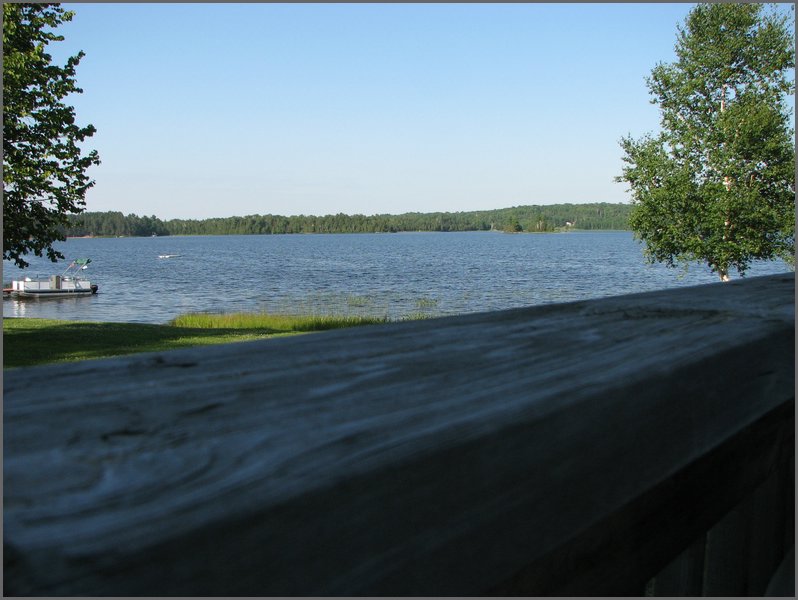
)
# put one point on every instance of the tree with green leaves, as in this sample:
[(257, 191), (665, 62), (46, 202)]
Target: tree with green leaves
[(44, 168), (717, 185)]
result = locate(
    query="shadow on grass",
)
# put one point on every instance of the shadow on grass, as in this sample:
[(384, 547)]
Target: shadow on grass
[(29, 342)]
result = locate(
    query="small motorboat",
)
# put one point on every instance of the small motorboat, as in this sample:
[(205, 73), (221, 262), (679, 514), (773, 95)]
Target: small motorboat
[(69, 284), (168, 255)]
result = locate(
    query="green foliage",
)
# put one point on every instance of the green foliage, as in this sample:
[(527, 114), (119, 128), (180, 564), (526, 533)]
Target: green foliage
[(717, 185), (545, 218), (43, 167), (273, 323), (513, 227)]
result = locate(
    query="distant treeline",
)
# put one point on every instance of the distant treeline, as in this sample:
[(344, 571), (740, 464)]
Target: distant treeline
[(554, 217)]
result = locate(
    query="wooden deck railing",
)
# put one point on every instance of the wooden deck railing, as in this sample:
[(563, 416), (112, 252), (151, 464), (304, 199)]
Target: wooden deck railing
[(620, 446)]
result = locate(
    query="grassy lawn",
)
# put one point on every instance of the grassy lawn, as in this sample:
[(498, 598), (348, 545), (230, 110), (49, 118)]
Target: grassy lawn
[(29, 342)]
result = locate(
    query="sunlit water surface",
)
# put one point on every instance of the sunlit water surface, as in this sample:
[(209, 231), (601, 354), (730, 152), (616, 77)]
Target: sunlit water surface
[(377, 274)]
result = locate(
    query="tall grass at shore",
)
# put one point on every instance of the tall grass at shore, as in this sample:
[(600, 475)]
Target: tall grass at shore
[(273, 322), (30, 342)]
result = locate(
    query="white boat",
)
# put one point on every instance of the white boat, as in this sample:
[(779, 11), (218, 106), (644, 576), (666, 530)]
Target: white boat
[(69, 284)]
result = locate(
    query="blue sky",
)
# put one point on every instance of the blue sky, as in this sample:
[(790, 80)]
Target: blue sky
[(215, 110)]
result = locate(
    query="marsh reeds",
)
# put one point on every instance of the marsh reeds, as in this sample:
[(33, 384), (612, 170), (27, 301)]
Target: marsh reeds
[(273, 322)]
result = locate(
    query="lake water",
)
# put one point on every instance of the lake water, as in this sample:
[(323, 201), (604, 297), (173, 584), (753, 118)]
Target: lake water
[(377, 274)]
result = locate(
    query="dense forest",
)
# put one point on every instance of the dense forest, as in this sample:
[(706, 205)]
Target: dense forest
[(547, 218)]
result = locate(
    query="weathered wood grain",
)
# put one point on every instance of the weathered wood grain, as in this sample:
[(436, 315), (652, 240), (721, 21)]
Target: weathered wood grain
[(425, 458)]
